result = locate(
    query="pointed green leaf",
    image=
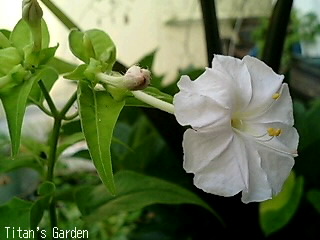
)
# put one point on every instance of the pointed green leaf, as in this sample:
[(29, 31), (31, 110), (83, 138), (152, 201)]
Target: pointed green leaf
[(98, 114), (47, 54), (277, 212), (21, 35), (14, 103), (135, 191), (78, 73)]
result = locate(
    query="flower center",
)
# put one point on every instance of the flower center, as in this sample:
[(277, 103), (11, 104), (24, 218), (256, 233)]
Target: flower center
[(237, 123)]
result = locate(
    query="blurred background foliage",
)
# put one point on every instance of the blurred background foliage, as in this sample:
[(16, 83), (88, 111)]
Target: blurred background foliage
[(148, 142)]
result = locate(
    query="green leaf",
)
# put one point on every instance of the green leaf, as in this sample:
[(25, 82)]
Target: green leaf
[(7, 164), (135, 191), (77, 74), (309, 133), (313, 197), (6, 33), (46, 188), (277, 212), (15, 213), (9, 57), (76, 45), (98, 114), (47, 54), (103, 46), (93, 44), (21, 35), (4, 41), (48, 76), (61, 66), (14, 103)]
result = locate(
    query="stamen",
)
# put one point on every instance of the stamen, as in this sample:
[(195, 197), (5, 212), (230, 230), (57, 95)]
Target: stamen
[(262, 137), (274, 132), (276, 96)]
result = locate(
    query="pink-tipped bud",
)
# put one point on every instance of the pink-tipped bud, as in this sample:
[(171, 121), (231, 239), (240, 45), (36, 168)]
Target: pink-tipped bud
[(137, 78)]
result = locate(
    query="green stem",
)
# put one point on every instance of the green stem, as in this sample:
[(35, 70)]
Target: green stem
[(60, 15), (46, 95), (68, 105), (53, 215), (154, 102), (53, 142), (53, 145)]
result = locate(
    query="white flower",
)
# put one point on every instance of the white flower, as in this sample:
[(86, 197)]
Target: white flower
[(242, 137)]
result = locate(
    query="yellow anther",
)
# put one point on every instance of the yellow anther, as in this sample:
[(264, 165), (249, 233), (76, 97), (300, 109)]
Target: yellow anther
[(274, 132), (276, 96)]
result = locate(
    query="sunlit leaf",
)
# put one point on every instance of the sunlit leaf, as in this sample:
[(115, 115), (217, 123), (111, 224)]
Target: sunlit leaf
[(98, 113), (277, 212)]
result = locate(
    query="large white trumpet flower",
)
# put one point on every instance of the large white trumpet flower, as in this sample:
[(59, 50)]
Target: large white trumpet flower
[(242, 136)]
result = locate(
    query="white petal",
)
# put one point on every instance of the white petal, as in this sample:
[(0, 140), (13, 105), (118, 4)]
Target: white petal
[(200, 148), (285, 143), (280, 110), (227, 174), (258, 186), (277, 167), (238, 75), (202, 102), (265, 82)]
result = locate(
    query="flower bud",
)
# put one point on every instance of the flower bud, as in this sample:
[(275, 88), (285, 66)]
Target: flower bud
[(31, 12), (137, 78)]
